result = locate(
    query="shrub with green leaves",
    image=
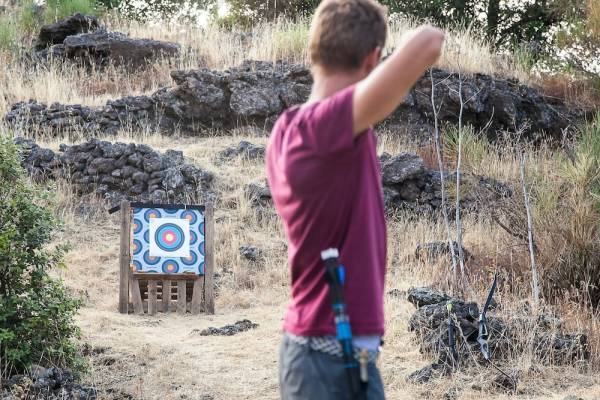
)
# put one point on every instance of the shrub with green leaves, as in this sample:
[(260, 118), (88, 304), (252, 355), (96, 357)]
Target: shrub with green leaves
[(57, 9), (36, 311)]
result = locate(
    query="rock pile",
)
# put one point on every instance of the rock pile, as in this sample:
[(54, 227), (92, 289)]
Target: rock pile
[(408, 185), (117, 170), (46, 383), (80, 38), (244, 149), (256, 93), (508, 335), (228, 330)]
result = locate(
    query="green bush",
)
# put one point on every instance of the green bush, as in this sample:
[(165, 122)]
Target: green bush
[(9, 33), (57, 9), (36, 311)]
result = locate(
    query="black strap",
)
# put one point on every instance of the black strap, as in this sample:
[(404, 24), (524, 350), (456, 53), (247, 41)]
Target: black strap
[(482, 337)]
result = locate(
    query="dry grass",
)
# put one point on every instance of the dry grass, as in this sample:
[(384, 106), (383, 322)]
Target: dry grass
[(159, 357), (211, 47)]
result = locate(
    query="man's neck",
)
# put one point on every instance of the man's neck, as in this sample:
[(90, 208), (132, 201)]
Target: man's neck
[(326, 83)]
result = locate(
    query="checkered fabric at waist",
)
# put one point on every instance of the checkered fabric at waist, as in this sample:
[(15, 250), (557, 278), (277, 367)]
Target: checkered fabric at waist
[(328, 345)]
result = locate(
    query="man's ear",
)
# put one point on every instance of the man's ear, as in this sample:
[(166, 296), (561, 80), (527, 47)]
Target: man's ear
[(372, 60)]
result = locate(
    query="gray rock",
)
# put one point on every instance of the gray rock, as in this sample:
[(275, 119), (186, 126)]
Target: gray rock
[(173, 179), (424, 296), (258, 194), (101, 47), (401, 168), (57, 32), (251, 253), (245, 149)]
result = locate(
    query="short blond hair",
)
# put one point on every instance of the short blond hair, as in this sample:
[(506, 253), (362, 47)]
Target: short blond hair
[(344, 32)]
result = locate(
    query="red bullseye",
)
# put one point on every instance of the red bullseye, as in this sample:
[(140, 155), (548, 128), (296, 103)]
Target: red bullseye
[(169, 237)]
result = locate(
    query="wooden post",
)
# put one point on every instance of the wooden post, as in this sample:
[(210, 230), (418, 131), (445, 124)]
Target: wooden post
[(124, 257), (166, 295), (138, 305), (181, 297), (209, 260), (198, 295), (152, 297)]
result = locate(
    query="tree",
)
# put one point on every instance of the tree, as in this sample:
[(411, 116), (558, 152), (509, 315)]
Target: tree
[(36, 311), (246, 12)]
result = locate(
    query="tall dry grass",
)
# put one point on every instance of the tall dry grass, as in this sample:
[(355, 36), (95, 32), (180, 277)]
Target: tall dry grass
[(213, 47), (145, 360)]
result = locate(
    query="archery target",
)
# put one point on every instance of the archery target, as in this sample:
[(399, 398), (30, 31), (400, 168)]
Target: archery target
[(169, 237), (168, 240)]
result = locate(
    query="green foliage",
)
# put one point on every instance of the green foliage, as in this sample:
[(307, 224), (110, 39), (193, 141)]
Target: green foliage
[(566, 201), (248, 12), (30, 17), (57, 9), (9, 33), (474, 147), (160, 10), (36, 311)]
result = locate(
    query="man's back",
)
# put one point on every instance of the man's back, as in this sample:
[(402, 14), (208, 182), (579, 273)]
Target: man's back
[(325, 180), (326, 186)]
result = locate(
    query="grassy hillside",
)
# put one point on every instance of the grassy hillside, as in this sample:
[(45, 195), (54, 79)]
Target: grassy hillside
[(164, 358)]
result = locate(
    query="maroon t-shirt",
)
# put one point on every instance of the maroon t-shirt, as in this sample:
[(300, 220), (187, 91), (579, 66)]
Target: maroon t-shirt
[(326, 185)]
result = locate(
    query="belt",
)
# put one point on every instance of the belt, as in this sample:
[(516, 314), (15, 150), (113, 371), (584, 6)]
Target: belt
[(329, 345)]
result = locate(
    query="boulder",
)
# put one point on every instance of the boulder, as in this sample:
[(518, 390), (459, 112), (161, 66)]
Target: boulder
[(244, 149), (401, 168), (57, 32), (251, 253), (101, 47), (259, 194)]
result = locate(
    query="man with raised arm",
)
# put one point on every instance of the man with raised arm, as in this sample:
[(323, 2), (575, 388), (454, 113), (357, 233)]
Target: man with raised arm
[(325, 180)]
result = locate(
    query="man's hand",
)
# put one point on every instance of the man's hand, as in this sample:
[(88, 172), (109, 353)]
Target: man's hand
[(378, 95)]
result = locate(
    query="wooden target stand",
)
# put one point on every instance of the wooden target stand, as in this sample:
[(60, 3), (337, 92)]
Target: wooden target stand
[(150, 293)]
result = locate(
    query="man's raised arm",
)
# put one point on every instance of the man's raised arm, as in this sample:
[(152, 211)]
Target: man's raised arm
[(378, 95)]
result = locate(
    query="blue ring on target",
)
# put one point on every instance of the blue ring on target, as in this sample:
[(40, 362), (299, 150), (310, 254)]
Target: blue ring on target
[(147, 236), (170, 267), (171, 210), (191, 260), (150, 260), (137, 266), (151, 213), (190, 216), (137, 226), (201, 228), (136, 246), (169, 237), (201, 268), (193, 238), (201, 248)]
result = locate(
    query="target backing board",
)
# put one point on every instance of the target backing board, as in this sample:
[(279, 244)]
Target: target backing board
[(168, 239)]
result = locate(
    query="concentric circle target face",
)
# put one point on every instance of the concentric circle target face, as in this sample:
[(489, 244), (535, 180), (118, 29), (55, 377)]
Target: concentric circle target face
[(169, 237), (170, 267), (168, 240)]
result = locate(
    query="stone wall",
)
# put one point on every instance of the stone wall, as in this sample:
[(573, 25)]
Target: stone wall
[(115, 171), (256, 93), (409, 185)]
